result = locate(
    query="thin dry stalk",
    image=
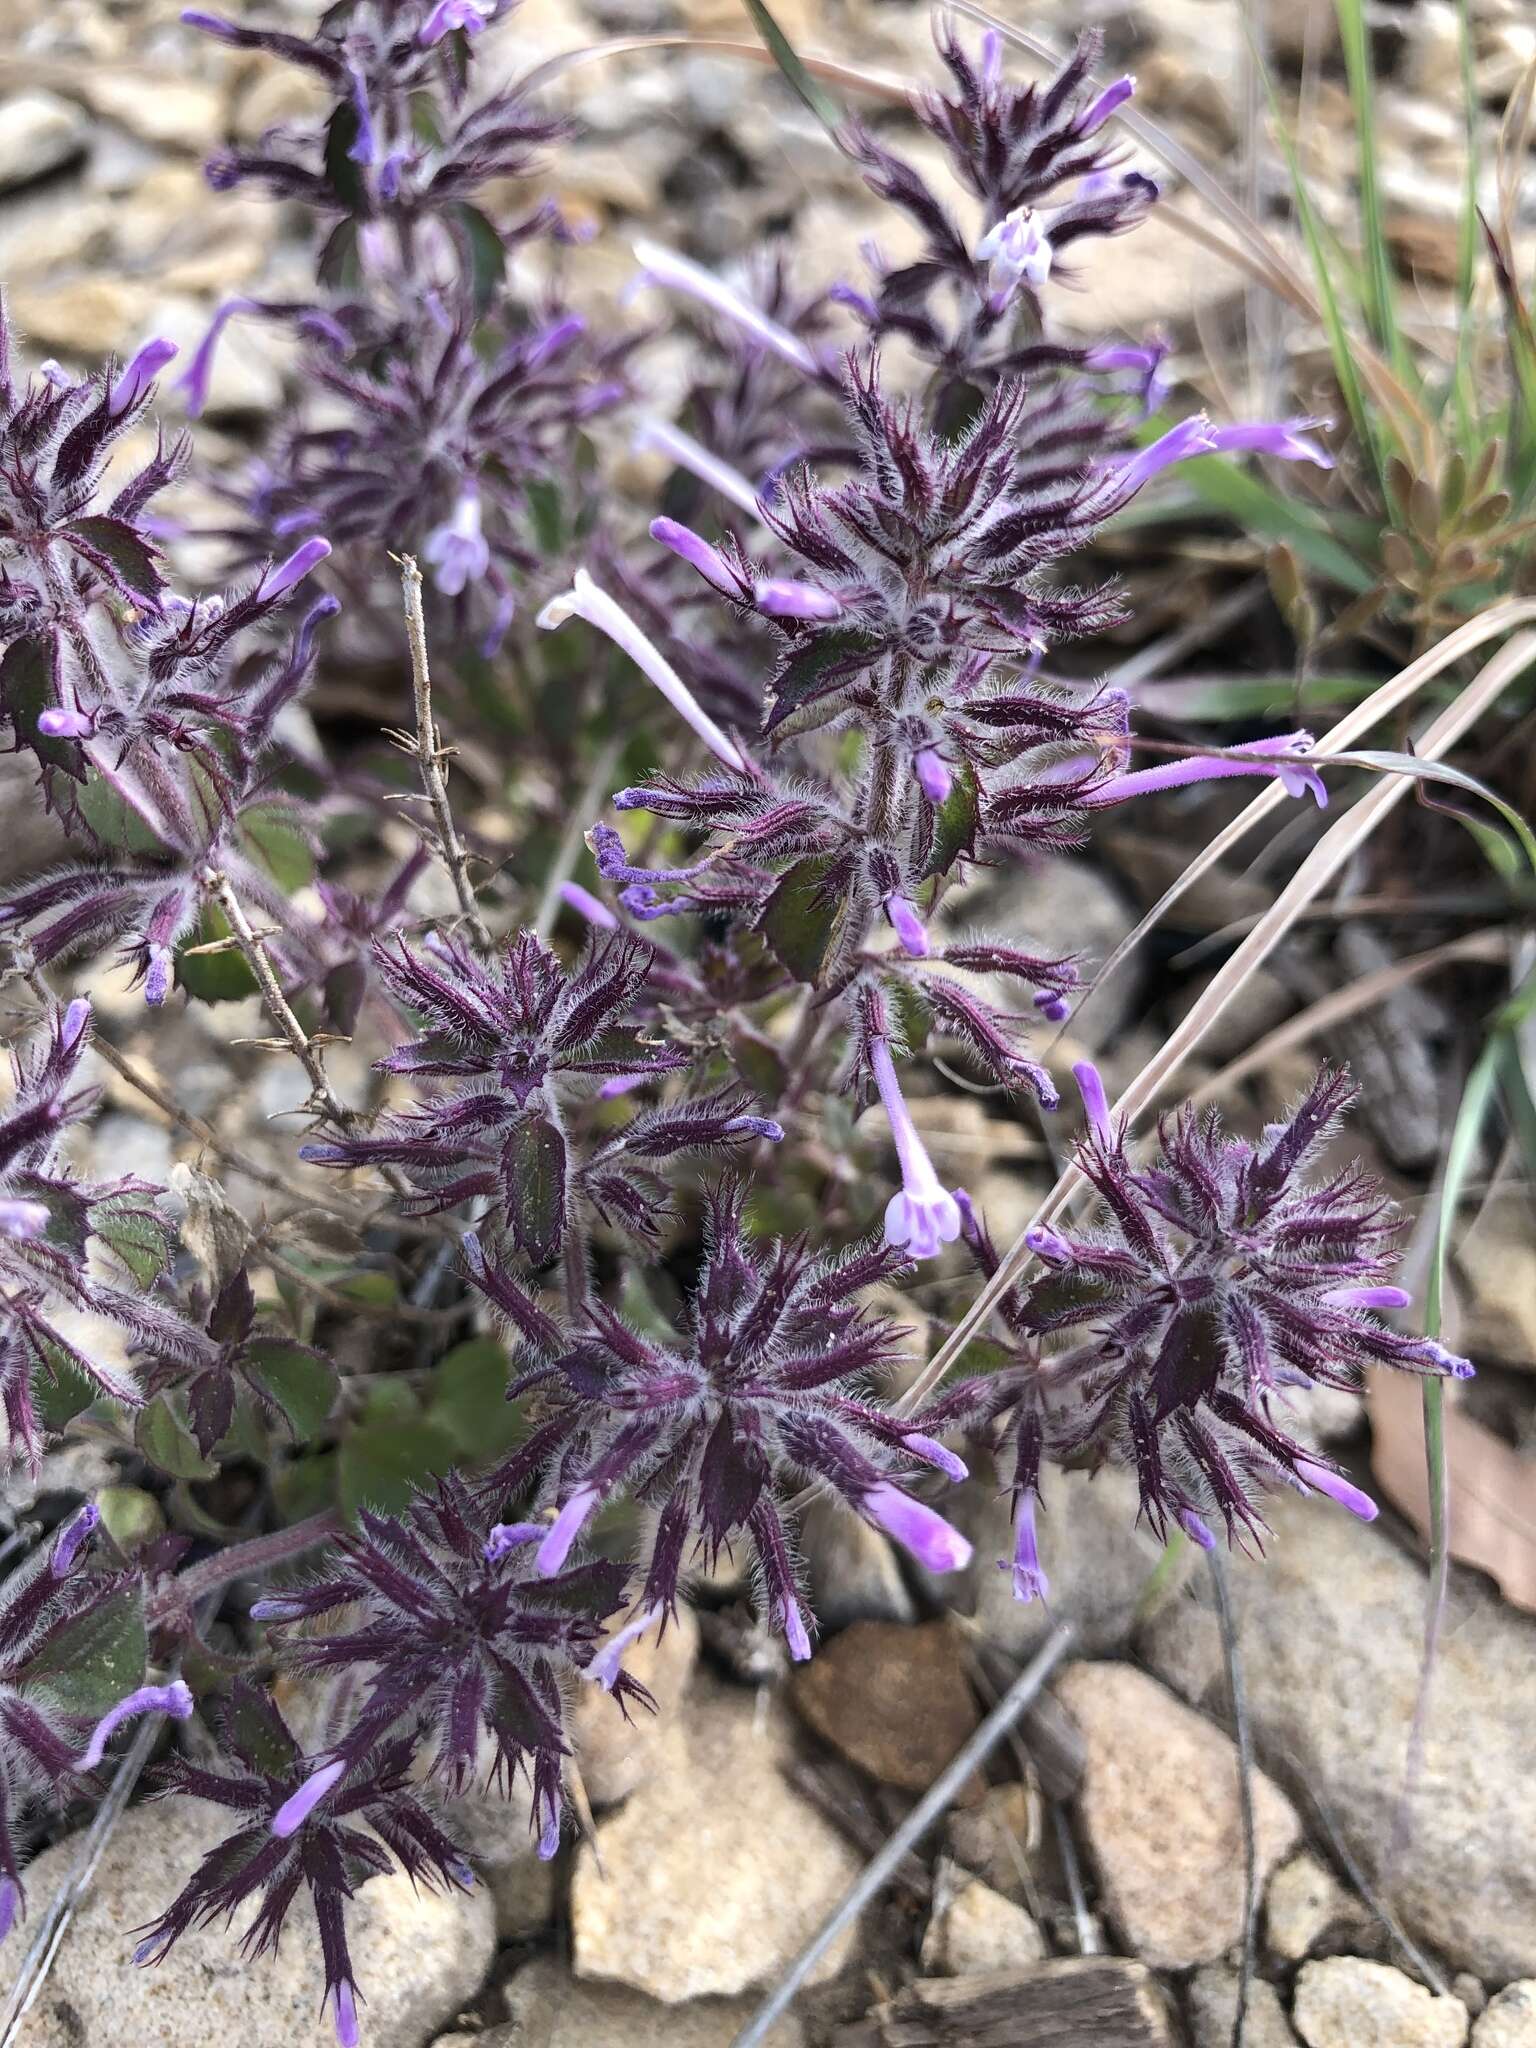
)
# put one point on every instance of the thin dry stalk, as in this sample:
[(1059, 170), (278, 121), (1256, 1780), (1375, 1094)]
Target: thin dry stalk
[(430, 754), (1327, 858)]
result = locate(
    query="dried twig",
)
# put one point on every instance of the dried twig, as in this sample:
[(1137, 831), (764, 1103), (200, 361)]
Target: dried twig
[(878, 1871), (430, 755)]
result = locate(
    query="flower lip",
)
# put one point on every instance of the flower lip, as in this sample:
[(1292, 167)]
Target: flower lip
[(917, 1528), (922, 1216)]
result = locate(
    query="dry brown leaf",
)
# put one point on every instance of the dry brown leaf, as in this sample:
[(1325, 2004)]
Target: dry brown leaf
[(1493, 1487)]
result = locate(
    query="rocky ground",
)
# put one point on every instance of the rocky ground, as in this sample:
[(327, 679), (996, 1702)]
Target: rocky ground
[(1088, 1889)]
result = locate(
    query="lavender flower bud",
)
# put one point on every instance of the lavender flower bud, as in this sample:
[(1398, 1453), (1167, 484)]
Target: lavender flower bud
[(22, 1219), (1049, 1245), (279, 581), (936, 1454), (755, 1126), (139, 374), (1196, 1528), (210, 24), (67, 1544), (1053, 1006), (506, 1537), (272, 1609), (549, 1837), (1090, 1086), (76, 1021), (60, 724), (932, 1541), (194, 381), (679, 273), (1284, 440), (10, 1900), (364, 145), (907, 926), (933, 776), (1338, 1488), (783, 598), (1194, 436), (1099, 111), (606, 1665), (698, 554), (793, 1623), (554, 341), (295, 1810), (347, 2035), (157, 975), (1369, 1297)]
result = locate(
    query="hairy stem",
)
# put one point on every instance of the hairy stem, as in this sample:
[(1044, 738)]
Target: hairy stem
[(430, 756), (243, 1561)]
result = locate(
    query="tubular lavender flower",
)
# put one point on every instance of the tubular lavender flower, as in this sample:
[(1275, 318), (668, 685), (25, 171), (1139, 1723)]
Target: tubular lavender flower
[(174, 1700), (586, 601), (922, 1218), (196, 378), (680, 447), (1016, 250), (1284, 756), (139, 374), (457, 550), (665, 267)]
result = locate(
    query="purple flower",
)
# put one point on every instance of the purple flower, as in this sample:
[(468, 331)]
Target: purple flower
[(1285, 440), (781, 597), (922, 1218), (1029, 1579), (585, 601), (693, 456), (1285, 757), (665, 267), (907, 925), (1167, 1335), (456, 550), (371, 1823), (1016, 250), (469, 15), (1192, 436), (278, 582), (586, 905), (933, 776), (1109, 100), (195, 379), (717, 1429), (135, 380), (174, 1700)]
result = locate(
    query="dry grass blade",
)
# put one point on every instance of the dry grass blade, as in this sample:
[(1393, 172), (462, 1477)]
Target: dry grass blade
[(1486, 947), (1327, 858), (1395, 692)]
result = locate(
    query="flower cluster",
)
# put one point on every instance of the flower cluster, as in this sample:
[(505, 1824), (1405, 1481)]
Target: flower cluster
[(370, 1824), (1208, 1287), (51, 1223), (525, 1040), (72, 1652), (714, 1434)]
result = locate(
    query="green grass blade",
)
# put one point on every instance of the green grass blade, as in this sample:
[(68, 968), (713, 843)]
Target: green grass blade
[(800, 80), (1258, 508), (1380, 285)]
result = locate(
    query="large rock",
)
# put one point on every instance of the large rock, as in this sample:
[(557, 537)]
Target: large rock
[(1331, 1623), (1213, 2008), (1161, 1813), (1343, 2002), (39, 133), (419, 1955), (551, 2009), (895, 1701), (974, 1930), (715, 1872), (1510, 2019), (616, 1751)]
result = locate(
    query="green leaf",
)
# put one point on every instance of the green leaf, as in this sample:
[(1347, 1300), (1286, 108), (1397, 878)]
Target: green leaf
[(27, 688), (484, 248), (112, 819), (301, 1384), (546, 514), (802, 918), (806, 692), (955, 823), (96, 1659), (213, 977), (346, 177), (381, 1463), (119, 545), (135, 1236), (534, 1176), (63, 1393), (1251, 503), (168, 1443), (272, 833), (815, 95), (759, 1063), (469, 1401), (257, 1733)]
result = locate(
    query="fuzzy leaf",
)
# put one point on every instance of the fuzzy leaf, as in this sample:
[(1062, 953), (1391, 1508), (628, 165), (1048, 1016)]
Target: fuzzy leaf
[(805, 689), (97, 1658), (469, 1400), (273, 836), (101, 538), (168, 1443), (27, 688), (534, 1176), (130, 1516), (382, 1462), (301, 1384), (213, 977), (955, 823), (800, 920), (485, 249), (134, 1234)]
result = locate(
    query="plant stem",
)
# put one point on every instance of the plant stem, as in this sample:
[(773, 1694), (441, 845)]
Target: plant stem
[(430, 756), (244, 1561)]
